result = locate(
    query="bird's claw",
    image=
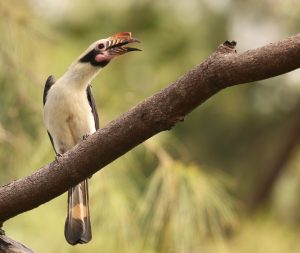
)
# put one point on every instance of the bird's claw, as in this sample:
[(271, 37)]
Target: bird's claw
[(58, 156), (84, 137)]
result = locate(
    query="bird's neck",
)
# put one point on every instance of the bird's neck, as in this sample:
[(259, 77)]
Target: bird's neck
[(80, 75)]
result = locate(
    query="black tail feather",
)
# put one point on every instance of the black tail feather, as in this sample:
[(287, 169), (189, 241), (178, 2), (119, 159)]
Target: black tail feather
[(78, 225)]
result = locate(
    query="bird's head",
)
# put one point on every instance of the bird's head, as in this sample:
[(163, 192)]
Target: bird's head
[(84, 69), (101, 52)]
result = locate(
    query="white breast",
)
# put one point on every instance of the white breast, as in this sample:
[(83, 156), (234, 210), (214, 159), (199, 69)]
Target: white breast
[(68, 116)]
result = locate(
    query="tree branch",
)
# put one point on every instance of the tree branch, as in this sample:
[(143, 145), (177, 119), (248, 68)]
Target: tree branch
[(157, 113), (8, 245)]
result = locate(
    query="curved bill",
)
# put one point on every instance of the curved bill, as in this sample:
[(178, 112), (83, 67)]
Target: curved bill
[(116, 43)]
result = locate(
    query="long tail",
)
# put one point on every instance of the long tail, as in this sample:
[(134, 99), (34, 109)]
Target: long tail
[(78, 225)]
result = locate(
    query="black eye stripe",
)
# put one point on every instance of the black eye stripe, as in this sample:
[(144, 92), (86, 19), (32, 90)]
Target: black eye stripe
[(90, 58)]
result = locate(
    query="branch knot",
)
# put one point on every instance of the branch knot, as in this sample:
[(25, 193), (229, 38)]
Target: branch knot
[(227, 47)]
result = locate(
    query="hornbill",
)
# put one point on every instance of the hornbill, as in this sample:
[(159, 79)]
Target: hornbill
[(70, 115)]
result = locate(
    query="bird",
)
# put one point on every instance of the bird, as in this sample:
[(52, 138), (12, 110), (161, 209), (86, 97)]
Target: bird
[(70, 115)]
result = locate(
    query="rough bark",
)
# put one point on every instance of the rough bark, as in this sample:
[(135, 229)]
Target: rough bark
[(157, 113)]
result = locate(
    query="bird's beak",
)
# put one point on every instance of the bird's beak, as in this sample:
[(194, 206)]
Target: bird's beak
[(116, 44)]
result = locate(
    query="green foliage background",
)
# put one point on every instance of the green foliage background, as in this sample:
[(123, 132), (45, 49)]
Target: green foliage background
[(187, 190)]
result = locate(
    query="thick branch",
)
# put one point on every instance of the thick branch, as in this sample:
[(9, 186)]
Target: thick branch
[(157, 113)]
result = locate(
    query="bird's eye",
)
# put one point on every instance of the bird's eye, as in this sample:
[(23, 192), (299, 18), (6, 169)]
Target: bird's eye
[(101, 46)]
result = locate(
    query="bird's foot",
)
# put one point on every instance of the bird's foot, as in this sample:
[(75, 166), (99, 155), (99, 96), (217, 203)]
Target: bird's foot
[(85, 136), (58, 156)]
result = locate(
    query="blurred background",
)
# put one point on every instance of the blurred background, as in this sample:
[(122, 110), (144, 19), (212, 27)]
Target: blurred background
[(225, 180)]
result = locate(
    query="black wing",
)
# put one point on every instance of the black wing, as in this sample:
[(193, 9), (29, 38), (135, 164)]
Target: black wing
[(92, 105), (50, 81)]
